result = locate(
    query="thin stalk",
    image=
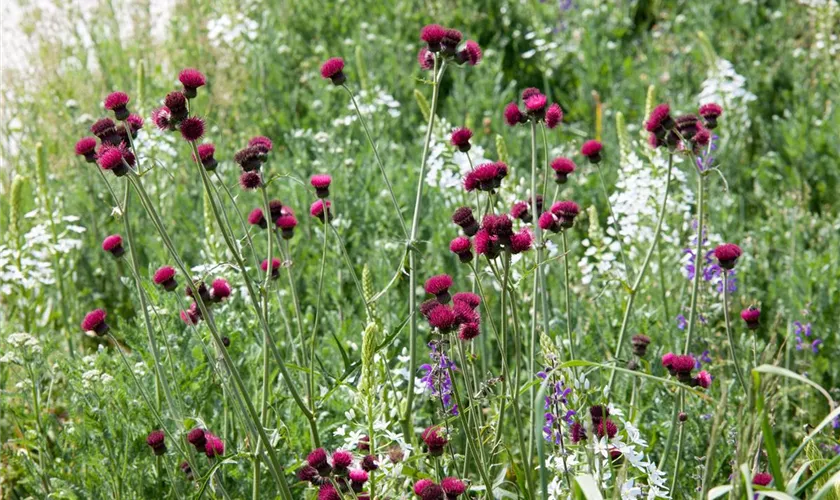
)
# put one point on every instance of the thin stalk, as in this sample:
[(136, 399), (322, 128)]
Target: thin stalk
[(503, 342), (241, 219), (625, 322), (349, 263), (567, 287), (698, 254), (36, 408), (378, 161), (681, 432), (295, 300), (412, 259), (735, 363), (310, 377)]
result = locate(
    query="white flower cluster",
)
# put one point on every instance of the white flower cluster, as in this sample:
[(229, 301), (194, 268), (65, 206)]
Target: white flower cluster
[(21, 344), (724, 86)]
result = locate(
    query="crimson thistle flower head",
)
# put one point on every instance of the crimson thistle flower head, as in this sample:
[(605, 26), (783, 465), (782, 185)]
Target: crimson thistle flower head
[(341, 460), (328, 492), (487, 244), (565, 211), (219, 290), (659, 122), (464, 313), (703, 379), (577, 432), (156, 440), (113, 245), (450, 41), (287, 224), (439, 287), (116, 102), (250, 180), (710, 113), (256, 218), (176, 102), (192, 128), (592, 151), (521, 241), (687, 125), (191, 79), (562, 168), (426, 59), (162, 117), (201, 288), (427, 489), (471, 53), (321, 210), (463, 217), (435, 440), (702, 137), (262, 142), (165, 278), (535, 104), (106, 131), (468, 298), (115, 159), (318, 458), (86, 146), (321, 183), (275, 267), (95, 322), (553, 116), (443, 318), (460, 138), (358, 478), (197, 438), (513, 115), (428, 306), (462, 247), (751, 315), (309, 474), (191, 315), (369, 463), (135, 122), (549, 222), (529, 92), (276, 209), (453, 487), (727, 255), (433, 35), (469, 331), (206, 154), (668, 359), (640, 343), (214, 446), (521, 210), (333, 69), (607, 428), (762, 479)]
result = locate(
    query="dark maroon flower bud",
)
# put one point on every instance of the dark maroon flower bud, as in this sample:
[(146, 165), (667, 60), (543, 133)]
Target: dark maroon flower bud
[(106, 131), (529, 92), (275, 267), (435, 440), (562, 168), (577, 432), (113, 245), (682, 416), (187, 470), (197, 438), (318, 459), (176, 103), (205, 154), (463, 217), (598, 413), (116, 102), (249, 158), (203, 292), (439, 287), (687, 125), (192, 128), (428, 306), (751, 315), (450, 41), (592, 151), (462, 247), (615, 456), (606, 428), (165, 277), (640, 343), (95, 322), (155, 440), (369, 463), (87, 147), (565, 211), (727, 255), (341, 461), (321, 183), (460, 138), (333, 69), (250, 180), (660, 122), (433, 35), (226, 341), (710, 113), (309, 474)]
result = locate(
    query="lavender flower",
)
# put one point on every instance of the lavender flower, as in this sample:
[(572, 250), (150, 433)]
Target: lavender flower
[(437, 379)]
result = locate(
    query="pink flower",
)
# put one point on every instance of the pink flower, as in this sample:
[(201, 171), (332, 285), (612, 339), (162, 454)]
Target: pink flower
[(191, 79), (333, 69), (704, 379), (113, 245), (220, 289), (192, 128), (592, 151), (426, 59), (165, 277), (470, 54), (460, 138), (86, 146), (513, 115), (321, 183), (321, 210), (553, 116), (95, 322), (727, 255)]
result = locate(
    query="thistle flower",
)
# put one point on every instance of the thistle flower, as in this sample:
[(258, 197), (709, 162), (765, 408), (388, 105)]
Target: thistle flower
[(256, 218), (462, 247), (460, 138), (105, 130), (426, 59), (464, 313), (660, 122), (565, 211), (275, 267), (205, 154), (214, 446), (219, 290), (176, 102), (369, 463), (114, 159), (192, 128), (327, 492), (333, 69), (309, 474), (321, 210), (687, 125), (598, 413), (751, 316), (450, 41), (250, 180), (203, 291), (86, 146), (521, 210), (317, 458), (249, 158), (428, 306), (469, 331), (261, 142), (226, 342), (521, 241), (640, 343), (577, 432), (562, 168), (341, 460), (191, 79), (453, 487), (442, 318), (187, 470), (513, 115), (702, 137), (486, 177), (471, 53), (358, 478), (535, 104), (762, 479), (116, 102), (435, 440), (439, 287), (196, 437), (468, 298), (156, 440), (668, 359), (113, 245), (487, 244), (553, 116), (703, 379), (162, 117), (529, 92), (277, 210), (95, 322), (727, 255), (710, 113), (549, 222), (427, 489), (463, 217), (165, 277), (592, 151), (607, 428), (500, 226), (135, 123), (321, 183), (287, 224), (191, 315), (433, 35)]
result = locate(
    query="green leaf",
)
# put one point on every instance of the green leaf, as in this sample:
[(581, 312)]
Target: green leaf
[(422, 103), (794, 481), (827, 487), (719, 491), (776, 370), (588, 487)]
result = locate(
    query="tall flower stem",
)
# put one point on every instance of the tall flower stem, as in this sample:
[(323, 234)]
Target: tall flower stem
[(241, 219), (628, 308), (567, 289), (695, 285), (735, 362), (503, 340), (255, 301), (253, 417), (614, 221), (310, 378), (412, 257), (295, 300), (378, 160)]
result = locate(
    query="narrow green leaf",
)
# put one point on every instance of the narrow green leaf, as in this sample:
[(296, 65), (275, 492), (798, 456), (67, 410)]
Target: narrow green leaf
[(719, 491), (588, 487), (422, 103), (776, 370)]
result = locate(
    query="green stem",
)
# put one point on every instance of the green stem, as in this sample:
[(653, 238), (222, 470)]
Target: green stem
[(697, 262), (241, 220), (567, 287), (412, 260), (735, 362), (310, 379), (36, 408)]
